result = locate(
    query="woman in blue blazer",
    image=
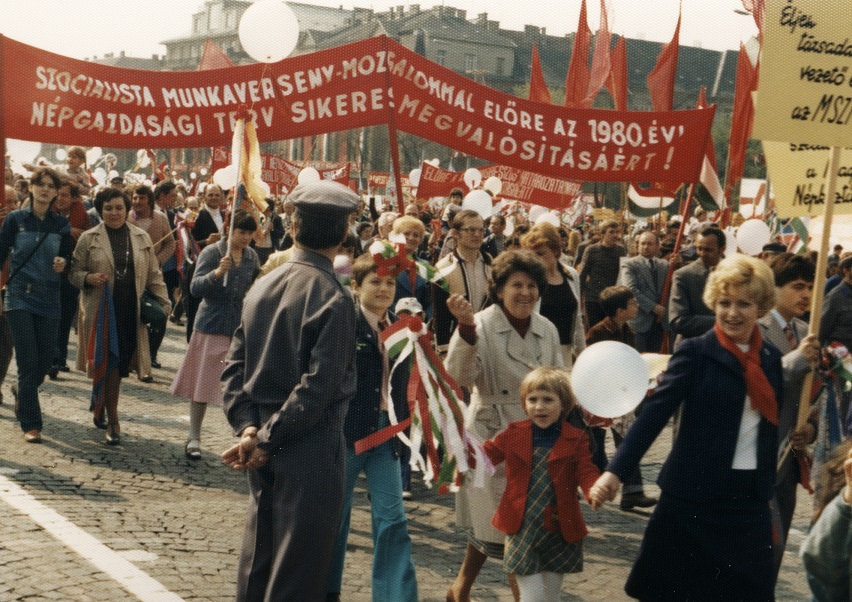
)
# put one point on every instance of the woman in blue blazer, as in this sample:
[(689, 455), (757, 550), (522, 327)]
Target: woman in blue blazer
[(710, 536)]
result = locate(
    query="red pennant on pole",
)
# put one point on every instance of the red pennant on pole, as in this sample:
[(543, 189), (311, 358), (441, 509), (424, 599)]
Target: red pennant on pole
[(742, 119), (617, 84), (601, 62), (577, 79), (538, 87), (661, 80), (212, 57)]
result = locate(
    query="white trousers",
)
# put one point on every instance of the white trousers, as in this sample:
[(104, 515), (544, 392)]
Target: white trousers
[(540, 587)]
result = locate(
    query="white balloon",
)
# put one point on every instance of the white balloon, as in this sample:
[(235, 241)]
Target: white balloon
[(548, 218), (472, 177), (22, 151), (536, 211), (494, 185), (192, 175), (93, 154), (269, 31), (479, 201), (141, 154), (510, 228), (436, 162), (204, 171), (752, 235), (113, 174), (225, 177), (100, 175), (308, 175), (265, 188), (414, 176), (61, 154), (610, 379)]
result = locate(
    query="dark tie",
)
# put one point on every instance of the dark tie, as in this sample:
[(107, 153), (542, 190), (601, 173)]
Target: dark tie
[(653, 272), (791, 337), (383, 323)]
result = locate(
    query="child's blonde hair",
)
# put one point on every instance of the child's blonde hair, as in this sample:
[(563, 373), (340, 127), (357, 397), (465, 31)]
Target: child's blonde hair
[(552, 380)]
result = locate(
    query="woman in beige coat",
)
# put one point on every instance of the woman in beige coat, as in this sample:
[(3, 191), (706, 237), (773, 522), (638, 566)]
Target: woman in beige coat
[(490, 353), (122, 255)]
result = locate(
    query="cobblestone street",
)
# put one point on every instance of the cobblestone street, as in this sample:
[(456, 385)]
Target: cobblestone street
[(80, 520)]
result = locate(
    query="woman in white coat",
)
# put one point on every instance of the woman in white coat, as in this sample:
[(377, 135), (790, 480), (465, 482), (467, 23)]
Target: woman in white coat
[(489, 354)]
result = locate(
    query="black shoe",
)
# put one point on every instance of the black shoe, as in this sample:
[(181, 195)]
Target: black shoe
[(156, 364), (53, 373), (113, 438), (64, 368), (147, 379), (636, 500), (100, 421)]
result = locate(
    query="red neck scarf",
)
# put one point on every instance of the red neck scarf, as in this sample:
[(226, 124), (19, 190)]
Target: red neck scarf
[(759, 390)]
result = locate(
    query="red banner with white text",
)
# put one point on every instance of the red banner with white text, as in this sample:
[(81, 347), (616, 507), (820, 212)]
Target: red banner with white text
[(280, 173), (67, 101), (518, 185)]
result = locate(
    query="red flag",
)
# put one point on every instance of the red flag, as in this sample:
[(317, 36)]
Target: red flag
[(213, 57), (661, 80), (617, 84), (742, 119), (709, 175), (538, 87), (702, 104), (601, 59), (757, 8), (577, 79)]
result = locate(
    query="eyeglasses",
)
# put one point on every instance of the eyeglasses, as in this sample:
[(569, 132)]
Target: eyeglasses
[(473, 230)]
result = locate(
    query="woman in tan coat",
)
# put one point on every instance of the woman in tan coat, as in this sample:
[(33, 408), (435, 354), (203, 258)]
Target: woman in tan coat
[(122, 255)]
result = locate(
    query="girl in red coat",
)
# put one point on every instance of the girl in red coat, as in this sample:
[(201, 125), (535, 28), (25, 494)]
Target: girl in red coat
[(546, 460)]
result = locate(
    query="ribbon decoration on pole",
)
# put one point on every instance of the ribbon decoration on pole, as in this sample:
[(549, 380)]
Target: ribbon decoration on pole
[(392, 260), (436, 414)]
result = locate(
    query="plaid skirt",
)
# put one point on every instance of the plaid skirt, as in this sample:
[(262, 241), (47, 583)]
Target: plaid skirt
[(534, 548)]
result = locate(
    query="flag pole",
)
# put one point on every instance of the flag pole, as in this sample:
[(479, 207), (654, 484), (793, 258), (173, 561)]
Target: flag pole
[(239, 136), (819, 286), (393, 141), (2, 104)]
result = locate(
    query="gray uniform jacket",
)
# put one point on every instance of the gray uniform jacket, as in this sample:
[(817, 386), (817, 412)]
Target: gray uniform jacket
[(291, 372), (688, 315)]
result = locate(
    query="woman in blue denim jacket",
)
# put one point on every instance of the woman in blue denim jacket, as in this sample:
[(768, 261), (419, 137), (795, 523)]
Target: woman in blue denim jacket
[(38, 242), (217, 318)]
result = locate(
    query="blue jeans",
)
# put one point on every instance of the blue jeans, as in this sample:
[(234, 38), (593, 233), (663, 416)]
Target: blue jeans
[(34, 339), (393, 569)]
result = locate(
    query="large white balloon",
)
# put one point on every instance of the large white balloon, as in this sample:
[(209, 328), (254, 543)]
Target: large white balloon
[(269, 31), (548, 217), (536, 211), (22, 151), (61, 154), (414, 176), (225, 177), (434, 162), (752, 235), (93, 154), (472, 177), (479, 201), (308, 175), (100, 175), (494, 185), (610, 379)]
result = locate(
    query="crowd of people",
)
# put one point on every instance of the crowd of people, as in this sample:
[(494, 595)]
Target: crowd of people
[(284, 310)]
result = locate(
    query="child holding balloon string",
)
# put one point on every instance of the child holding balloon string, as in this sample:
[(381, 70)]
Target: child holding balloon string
[(546, 460)]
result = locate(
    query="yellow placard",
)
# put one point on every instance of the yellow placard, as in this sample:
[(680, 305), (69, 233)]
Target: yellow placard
[(798, 173), (805, 89), (600, 214)]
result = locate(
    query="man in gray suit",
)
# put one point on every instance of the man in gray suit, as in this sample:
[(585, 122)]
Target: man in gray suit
[(645, 275), (784, 328), (288, 381), (688, 315)]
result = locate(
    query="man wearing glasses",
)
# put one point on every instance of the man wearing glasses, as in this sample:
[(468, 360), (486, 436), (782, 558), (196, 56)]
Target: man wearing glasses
[(468, 273)]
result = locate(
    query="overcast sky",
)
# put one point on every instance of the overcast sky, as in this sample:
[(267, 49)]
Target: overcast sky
[(86, 28)]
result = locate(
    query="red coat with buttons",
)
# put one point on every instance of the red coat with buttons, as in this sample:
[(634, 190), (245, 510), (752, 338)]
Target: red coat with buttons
[(569, 464)]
